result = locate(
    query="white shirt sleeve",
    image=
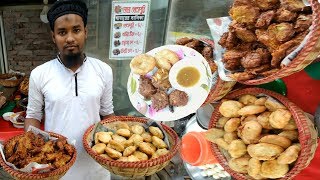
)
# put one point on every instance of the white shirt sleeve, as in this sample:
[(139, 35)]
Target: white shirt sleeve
[(106, 102), (35, 99)]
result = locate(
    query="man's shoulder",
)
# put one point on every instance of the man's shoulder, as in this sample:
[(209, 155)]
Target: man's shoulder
[(99, 64), (43, 68)]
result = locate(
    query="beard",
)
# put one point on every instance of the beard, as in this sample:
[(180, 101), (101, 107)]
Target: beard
[(72, 60)]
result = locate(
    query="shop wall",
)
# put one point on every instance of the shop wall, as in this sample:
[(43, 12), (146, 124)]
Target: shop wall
[(28, 40)]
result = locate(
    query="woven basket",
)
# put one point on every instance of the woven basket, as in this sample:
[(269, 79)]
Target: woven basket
[(133, 169), (10, 83), (52, 175), (307, 133), (307, 55)]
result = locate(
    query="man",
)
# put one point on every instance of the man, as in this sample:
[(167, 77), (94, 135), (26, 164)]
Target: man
[(73, 90)]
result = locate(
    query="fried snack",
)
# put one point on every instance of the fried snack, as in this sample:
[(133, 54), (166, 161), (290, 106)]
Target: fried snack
[(103, 137), (252, 60), (247, 99), (244, 14), (122, 125), (137, 129), (116, 145), (282, 31), (113, 153), (264, 151), (294, 5), (276, 140), (221, 143), (137, 139), (265, 38), (128, 143), (229, 137), (99, 148), (155, 131), (183, 41), (303, 23), (261, 101), (160, 79), (155, 155), (161, 152), (241, 76), (118, 138), (140, 155), (250, 132), (106, 156), (129, 150), (146, 137), (251, 109), (230, 108), (159, 100), (290, 134), (232, 125), (279, 118), (263, 119), (221, 122), (213, 133), (245, 119), (254, 167), (158, 143), (237, 148), (291, 125), (146, 89), (289, 155), (243, 33), (152, 146), (239, 164), (271, 169), (146, 148), (166, 58), (124, 132), (284, 15), (266, 5), (142, 64), (265, 19), (124, 159), (273, 104)]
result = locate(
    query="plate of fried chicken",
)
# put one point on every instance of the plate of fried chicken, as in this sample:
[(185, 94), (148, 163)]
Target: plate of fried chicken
[(155, 95)]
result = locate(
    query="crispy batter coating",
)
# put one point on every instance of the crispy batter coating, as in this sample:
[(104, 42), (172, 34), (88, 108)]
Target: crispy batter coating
[(245, 14), (284, 15), (265, 19)]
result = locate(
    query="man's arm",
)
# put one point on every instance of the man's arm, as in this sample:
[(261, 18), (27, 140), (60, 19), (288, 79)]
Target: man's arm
[(32, 122)]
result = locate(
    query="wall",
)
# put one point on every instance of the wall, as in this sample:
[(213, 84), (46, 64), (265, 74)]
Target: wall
[(28, 40)]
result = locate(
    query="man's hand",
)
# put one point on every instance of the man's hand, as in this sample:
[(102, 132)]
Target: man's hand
[(32, 122)]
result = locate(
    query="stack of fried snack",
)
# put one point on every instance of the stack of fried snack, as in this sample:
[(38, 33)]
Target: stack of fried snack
[(33, 148), (262, 34), (257, 135), (130, 144), (203, 48)]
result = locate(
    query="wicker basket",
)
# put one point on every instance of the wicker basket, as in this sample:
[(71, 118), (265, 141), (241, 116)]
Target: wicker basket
[(306, 56), (52, 175), (307, 133), (133, 169), (10, 83)]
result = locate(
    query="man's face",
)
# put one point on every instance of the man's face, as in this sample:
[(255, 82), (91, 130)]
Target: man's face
[(69, 34)]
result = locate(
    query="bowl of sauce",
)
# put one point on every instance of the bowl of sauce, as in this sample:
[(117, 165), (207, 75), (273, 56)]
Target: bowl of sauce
[(186, 74)]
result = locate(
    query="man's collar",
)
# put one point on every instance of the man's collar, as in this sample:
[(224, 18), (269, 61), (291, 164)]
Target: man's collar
[(58, 57)]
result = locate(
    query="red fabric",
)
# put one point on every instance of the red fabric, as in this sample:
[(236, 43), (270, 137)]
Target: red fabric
[(304, 92)]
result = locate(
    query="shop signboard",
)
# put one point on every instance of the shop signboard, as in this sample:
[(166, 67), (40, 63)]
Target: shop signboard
[(128, 28)]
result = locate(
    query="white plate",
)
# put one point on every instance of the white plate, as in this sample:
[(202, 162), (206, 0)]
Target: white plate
[(196, 97), (7, 116)]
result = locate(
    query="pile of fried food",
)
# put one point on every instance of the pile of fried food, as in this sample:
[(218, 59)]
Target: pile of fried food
[(130, 144), (262, 34), (257, 135), (156, 88), (33, 148), (203, 48)]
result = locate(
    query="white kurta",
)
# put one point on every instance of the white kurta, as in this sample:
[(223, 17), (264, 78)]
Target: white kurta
[(72, 101)]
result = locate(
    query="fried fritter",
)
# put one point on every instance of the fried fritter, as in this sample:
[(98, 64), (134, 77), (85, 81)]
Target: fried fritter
[(61, 161), (160, 79), (271, 42), (251, 60), (265, 19), (183, 41), (267, 5), (295, 5), (282, 31), (303, 22), (284, 15), (245, 14), (242, 76), (159, 100), (146, 89), (243, 33)]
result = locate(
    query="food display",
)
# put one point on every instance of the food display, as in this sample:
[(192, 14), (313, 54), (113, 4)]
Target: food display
[(24, 86), (31, 147), (257, 135), (168, 81), (130, 143), (261, 35)]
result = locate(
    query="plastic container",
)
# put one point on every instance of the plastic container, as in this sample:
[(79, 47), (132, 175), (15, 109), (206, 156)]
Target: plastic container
[(196, 150)]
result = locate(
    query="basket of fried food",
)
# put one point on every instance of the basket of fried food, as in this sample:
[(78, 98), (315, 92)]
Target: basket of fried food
[(33, 156), (24, 86), (130, 147), (10, 79), (259, 134), (206, 47), (268, 40)]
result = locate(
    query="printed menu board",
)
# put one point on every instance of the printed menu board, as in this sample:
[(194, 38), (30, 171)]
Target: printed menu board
[(128, 28)]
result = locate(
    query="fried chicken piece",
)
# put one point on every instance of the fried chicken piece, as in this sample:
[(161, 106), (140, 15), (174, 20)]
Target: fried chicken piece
[(243, 33), (271, 42), (265, 19), (242, 76), (183, 41), (193, 44), (146, 89), (61, 160), (284, 15), (267, 5), (48, 147), (286, 48), (269, 73), (282, 32), (178, 98), (303, 22), (295, 5), (160, 79), (251, 60), (245, 14), (159, 100), (259, 69)]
